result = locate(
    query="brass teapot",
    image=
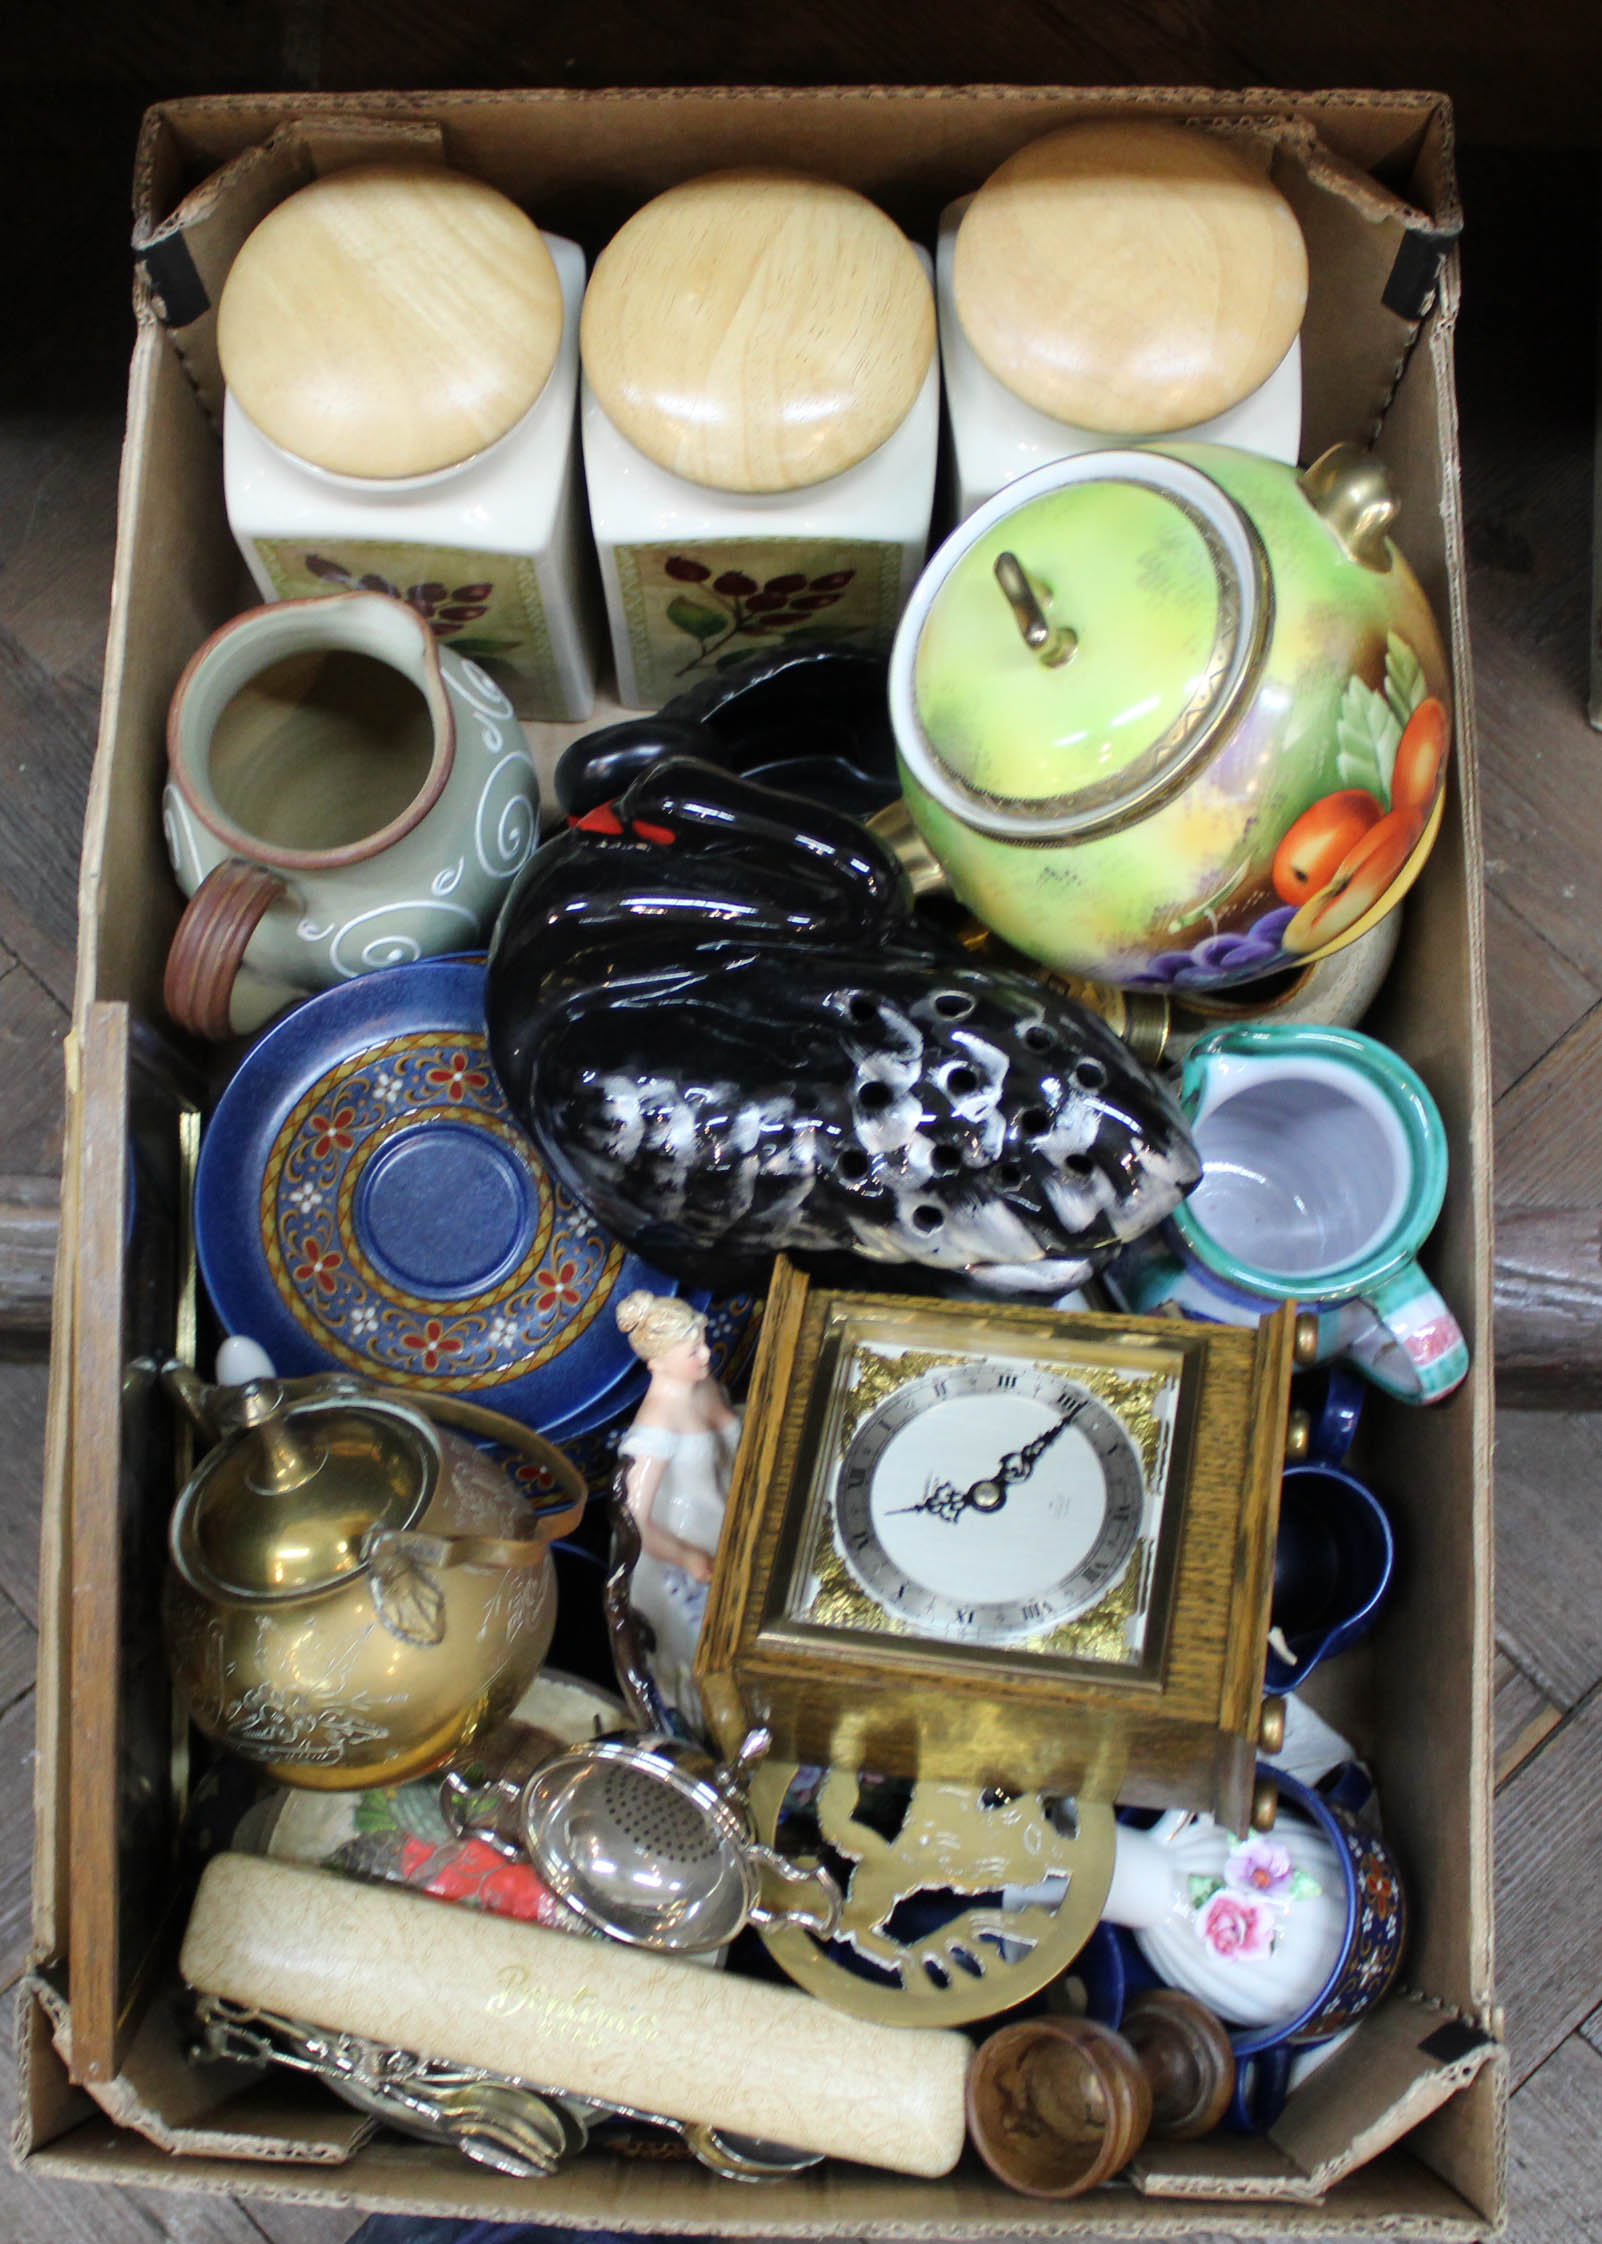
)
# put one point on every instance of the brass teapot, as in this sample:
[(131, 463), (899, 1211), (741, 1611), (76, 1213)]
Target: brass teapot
[(354, 1590)]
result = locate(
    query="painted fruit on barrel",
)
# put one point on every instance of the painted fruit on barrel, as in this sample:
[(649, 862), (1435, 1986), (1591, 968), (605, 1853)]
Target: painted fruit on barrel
[(1314, 794)]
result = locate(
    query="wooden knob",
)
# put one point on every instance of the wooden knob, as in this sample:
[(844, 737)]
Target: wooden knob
[(758, 330), (1130, 277), (390, 320), (1188, 2059), (1057, 2105)]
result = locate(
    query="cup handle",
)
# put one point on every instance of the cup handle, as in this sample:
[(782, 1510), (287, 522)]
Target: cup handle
[(821, 1918), (1335, 1425), (553, 1514), (1349, 1786), (1262, 2083), (210, 944), (1407, 1340)]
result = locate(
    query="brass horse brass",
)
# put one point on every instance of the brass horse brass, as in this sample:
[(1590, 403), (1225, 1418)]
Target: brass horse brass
[(950, 1840)]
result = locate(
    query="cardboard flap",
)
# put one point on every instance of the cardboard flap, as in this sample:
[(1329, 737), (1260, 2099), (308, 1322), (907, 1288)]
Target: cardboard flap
[(1369, 253), (134, 1305), (210, 2108), (48, 2104), (185, 257), (52, 1853), (1403, 2062)]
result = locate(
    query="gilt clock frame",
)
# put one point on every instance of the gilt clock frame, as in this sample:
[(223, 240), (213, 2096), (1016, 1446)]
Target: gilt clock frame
[(1178, 1728)]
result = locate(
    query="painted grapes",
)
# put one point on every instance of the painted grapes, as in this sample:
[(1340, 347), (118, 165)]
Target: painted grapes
[(448, 610), (723, 613)]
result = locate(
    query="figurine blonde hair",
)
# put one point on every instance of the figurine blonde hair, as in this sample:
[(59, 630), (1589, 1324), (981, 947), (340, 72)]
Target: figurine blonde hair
[(654, 1323)]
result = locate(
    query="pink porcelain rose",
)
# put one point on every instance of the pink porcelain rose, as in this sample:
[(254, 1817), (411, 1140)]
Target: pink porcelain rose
[(1236, 1925)]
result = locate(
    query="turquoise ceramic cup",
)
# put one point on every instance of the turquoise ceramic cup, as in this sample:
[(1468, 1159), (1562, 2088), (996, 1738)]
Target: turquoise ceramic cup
[(1323, 1172)]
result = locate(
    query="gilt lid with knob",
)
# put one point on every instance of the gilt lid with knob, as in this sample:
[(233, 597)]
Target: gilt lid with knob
[(1130, 275), (1117, 604), (758, 330), (390, 320)]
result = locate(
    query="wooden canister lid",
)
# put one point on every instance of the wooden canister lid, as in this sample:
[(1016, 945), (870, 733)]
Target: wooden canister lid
[(390, 320), (1130, 277), (758, 330)]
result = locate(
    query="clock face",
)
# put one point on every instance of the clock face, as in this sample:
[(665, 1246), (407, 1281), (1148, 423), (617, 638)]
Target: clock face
[(993, 1500)]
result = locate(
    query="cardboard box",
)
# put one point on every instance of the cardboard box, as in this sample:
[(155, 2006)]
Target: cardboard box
[(1402, 2128)]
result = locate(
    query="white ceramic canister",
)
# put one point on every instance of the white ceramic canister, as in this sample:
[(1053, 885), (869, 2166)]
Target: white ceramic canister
[(400, 344), (1112, 282), (343, 793), (760, 424)]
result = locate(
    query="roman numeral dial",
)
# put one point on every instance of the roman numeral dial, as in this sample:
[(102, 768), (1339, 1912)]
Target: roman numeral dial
[(989, 1502)]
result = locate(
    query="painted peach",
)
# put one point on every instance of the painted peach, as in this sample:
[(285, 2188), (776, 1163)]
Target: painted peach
[(1420, 753), (1361, 880), (1316, 846)]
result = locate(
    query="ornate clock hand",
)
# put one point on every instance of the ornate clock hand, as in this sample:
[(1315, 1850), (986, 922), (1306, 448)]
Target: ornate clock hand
[(989, 1495), (942, 1499), (948, 1502), (1022, 1461)]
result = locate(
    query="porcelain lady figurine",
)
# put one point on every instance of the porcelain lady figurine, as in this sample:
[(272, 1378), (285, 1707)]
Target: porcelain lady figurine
[(678, 1455)]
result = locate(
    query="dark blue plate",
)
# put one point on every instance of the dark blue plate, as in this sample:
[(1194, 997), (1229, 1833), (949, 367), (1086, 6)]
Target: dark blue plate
[(365, 1200)]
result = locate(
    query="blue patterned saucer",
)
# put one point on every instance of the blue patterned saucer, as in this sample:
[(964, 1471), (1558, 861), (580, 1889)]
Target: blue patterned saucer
[(364, 1199)]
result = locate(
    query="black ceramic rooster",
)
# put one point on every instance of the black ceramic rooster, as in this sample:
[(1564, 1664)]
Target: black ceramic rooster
[(716, 1013)]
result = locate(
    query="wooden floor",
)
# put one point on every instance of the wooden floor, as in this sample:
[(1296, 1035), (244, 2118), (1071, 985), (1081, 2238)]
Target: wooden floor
[(1528, 397)]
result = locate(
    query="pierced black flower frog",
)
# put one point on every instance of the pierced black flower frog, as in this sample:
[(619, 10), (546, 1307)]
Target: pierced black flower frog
[(714, 1009)]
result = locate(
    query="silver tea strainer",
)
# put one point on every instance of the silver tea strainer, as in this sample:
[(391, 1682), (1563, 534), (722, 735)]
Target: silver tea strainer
[(650, 1840)]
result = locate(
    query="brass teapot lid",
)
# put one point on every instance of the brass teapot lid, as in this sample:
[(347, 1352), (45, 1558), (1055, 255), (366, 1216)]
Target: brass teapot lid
[(282, 1507)]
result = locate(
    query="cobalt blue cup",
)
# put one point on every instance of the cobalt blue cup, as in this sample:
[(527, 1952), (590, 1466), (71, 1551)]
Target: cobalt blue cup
[(1333, 1562)]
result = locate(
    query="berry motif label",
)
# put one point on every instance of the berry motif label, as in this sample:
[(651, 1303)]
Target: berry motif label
[(486, 606), (693, 610)]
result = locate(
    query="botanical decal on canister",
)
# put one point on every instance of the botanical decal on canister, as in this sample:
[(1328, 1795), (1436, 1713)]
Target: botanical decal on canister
[(695, 610)]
